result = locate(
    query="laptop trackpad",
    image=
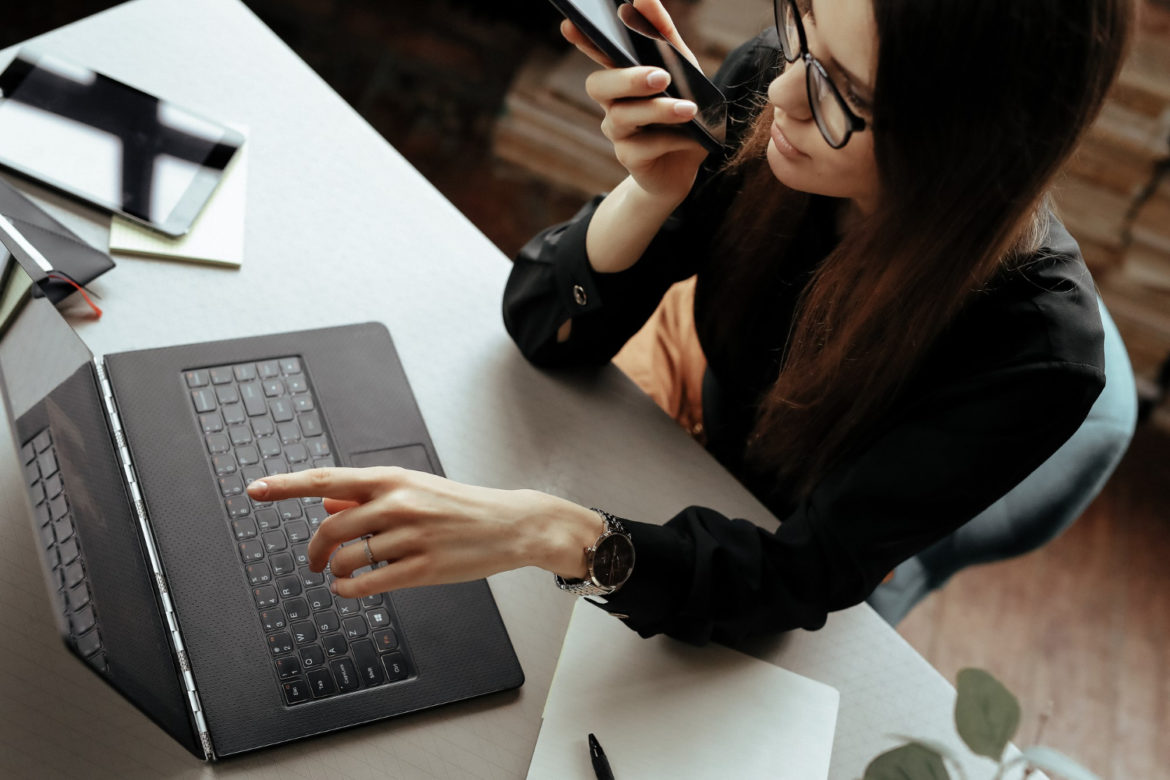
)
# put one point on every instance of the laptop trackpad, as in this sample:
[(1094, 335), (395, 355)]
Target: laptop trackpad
[(412, 456)]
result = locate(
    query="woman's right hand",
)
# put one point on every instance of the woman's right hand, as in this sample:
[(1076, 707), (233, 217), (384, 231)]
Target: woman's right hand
[(662, 161)]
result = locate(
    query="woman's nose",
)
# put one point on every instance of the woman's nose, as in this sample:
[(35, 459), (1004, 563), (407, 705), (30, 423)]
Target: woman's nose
[(787, 92)]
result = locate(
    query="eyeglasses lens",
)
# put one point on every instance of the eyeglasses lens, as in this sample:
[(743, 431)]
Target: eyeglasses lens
[(827, 108), (786, 28)]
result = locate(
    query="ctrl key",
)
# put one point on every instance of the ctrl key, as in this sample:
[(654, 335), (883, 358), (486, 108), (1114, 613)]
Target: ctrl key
[(295, 691)]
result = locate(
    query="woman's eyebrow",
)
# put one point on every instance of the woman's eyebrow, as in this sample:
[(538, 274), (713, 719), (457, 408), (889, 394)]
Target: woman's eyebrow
[(859, 84)]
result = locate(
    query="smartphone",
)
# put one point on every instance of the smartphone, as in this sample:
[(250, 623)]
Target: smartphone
[(628, 39)]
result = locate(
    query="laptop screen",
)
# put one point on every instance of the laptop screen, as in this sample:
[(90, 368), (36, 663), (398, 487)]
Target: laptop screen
[(91, 550)]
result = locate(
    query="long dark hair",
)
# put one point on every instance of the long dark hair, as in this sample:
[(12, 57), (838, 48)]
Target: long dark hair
[(976, 105)]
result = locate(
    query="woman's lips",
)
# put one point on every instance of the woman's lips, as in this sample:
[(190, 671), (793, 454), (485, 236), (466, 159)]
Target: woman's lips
[(783, 145)]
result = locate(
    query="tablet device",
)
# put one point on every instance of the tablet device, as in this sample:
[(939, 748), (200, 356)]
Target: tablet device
[(109, 144), (628, 39)]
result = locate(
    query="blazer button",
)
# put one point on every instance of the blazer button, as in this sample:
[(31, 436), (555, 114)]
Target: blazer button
[(579, 295)]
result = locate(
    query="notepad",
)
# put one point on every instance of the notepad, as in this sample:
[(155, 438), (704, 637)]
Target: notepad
[(664, 709), (216, 236)]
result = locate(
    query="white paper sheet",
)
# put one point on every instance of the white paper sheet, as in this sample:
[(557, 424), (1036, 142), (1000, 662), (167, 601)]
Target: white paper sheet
[(661, 708)]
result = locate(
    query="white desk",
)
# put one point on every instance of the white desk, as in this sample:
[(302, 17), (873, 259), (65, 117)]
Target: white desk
[(340, 223)]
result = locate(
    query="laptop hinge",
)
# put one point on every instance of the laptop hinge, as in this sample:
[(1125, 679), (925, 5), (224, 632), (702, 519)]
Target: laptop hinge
[(177, 646)]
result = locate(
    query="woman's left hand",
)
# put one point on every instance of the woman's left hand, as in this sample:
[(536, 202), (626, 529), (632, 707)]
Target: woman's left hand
[(431, 530)]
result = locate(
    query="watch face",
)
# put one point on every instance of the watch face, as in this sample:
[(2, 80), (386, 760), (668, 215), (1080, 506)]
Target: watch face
[(613, 561)]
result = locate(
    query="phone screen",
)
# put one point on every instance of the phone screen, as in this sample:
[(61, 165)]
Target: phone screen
[(107, 143), (626, 37)]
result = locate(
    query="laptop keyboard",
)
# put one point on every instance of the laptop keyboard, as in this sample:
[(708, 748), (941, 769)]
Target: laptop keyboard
[(58, 536), (259, 419)]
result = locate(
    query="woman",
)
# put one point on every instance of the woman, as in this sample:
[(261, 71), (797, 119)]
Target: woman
[(890, 328)]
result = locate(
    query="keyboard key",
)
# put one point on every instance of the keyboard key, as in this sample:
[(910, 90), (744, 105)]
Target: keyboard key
[(378, 618), (47, 461), (252, 394), (224, 464), (204, 400), (273, 619), (262, 426), (288, 667), (301, 555), (372, 600), (319, 598), (297, 384), (296, 609), (321, 683), (311, 579), (220, 375), (327, 621), (304, 632), (346, 607), (335, 645), (211, 422), (297, 530), (196, 379), (288, 587), (231, 485), (247, 455), (233, 414), (268, 369), (82, 620), (77, 596), (259, 573), (368, 667), (281, 564), (265, 596), (53, 486), (267, 519), (296, 453), (227, 394), (273, 388), (385, 640), (218, 443), (275, 466), (32, 474), (244, 372), (345, 674), (238, 506), (289, 509), (295, 692), (290, 365), (251, 551), (315, 515), (280, 643), (303, 403), (63, 528), (281, 410), (274, 541), (289, 432), (312, 657), (89, 643), (68, 551), (396, 667), (318, 447), (74, 574), (42, 441), (311, 424), (251, 474), (354, 627), (245, 528), (269, 447), (240, 435)]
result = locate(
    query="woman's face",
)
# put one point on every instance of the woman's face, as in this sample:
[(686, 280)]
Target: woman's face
[(842, 36)]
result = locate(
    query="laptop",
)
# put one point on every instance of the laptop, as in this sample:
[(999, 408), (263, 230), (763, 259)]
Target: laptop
[(192, 601)]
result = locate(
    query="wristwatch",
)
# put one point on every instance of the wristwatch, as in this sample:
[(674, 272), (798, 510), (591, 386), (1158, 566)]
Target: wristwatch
[(608, 563)]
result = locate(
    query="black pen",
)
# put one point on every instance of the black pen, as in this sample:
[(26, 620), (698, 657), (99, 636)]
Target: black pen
[(600, 762)]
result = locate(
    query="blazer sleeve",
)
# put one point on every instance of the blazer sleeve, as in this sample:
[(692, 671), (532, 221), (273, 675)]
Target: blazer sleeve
[(552, 280), (703, 576)]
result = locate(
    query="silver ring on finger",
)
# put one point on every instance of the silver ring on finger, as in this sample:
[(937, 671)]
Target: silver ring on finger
[(369, 552)]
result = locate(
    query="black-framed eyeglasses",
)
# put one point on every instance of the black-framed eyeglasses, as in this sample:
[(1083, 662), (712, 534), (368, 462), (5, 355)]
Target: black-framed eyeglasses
[(837, 122)]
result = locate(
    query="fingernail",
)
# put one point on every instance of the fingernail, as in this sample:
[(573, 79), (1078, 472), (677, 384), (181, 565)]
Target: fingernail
[(658, 79), (685, 108), (259, 488)]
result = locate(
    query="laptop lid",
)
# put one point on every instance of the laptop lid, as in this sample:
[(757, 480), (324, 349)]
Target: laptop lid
[(93, 551)]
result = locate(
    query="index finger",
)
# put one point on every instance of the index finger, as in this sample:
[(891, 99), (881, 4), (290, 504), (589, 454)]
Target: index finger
[(345, 484), (656, 14)]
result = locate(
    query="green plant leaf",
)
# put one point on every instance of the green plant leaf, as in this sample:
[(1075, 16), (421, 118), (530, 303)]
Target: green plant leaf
[(909, 762), (986, 713), (1054, 761)]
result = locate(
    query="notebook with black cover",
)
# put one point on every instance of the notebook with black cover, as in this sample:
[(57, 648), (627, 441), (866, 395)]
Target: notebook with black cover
[(191, 600)]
